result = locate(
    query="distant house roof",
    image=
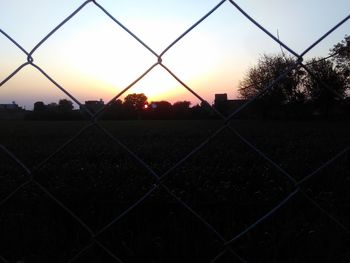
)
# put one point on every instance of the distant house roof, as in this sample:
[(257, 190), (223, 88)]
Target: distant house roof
[(94, 102), (93, 105), (9, 106), (226, 106), (221, 97)]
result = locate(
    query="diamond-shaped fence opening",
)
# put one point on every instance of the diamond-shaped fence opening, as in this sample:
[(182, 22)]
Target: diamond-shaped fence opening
[(109, 175), (95, 195), (76, 67)]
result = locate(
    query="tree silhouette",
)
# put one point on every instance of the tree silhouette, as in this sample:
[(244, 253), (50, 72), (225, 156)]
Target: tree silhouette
[(161, 109), (136, 101), (114, 110), (65, 106), (342, 58), (325, 86), (181, 109), (134, 104), (269, 67), (39, 106), (200, 111)]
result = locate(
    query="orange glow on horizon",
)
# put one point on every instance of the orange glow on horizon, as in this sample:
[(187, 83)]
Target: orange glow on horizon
[(121, 61), (102, 61)]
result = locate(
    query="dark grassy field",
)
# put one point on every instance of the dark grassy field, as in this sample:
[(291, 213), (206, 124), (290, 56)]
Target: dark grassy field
[(226, 182)]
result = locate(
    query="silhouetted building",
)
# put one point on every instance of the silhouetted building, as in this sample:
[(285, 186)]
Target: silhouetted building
[(11, 111), (219, 98), (93, 105), (226, 106), (52, 106), (10, 107)]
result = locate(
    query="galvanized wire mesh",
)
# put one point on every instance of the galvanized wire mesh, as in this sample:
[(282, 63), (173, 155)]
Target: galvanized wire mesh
[(159, 179)]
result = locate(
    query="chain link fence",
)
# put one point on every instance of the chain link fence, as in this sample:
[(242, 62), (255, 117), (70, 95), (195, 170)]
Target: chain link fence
[(95, 237)]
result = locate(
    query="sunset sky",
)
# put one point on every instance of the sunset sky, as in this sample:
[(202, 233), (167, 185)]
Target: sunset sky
[(92, 57)]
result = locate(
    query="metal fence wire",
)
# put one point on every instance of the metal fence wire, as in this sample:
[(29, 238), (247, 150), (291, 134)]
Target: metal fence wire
[(159, 179)]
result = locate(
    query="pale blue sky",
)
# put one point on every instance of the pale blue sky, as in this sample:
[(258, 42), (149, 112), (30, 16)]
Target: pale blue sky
[(93, 58)]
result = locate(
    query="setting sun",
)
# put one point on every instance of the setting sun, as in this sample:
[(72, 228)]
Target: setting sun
[(93, 58), (110, 57)]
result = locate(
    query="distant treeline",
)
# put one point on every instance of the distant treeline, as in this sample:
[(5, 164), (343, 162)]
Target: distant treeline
[(277, 87), (286, 88), (135, 106)]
